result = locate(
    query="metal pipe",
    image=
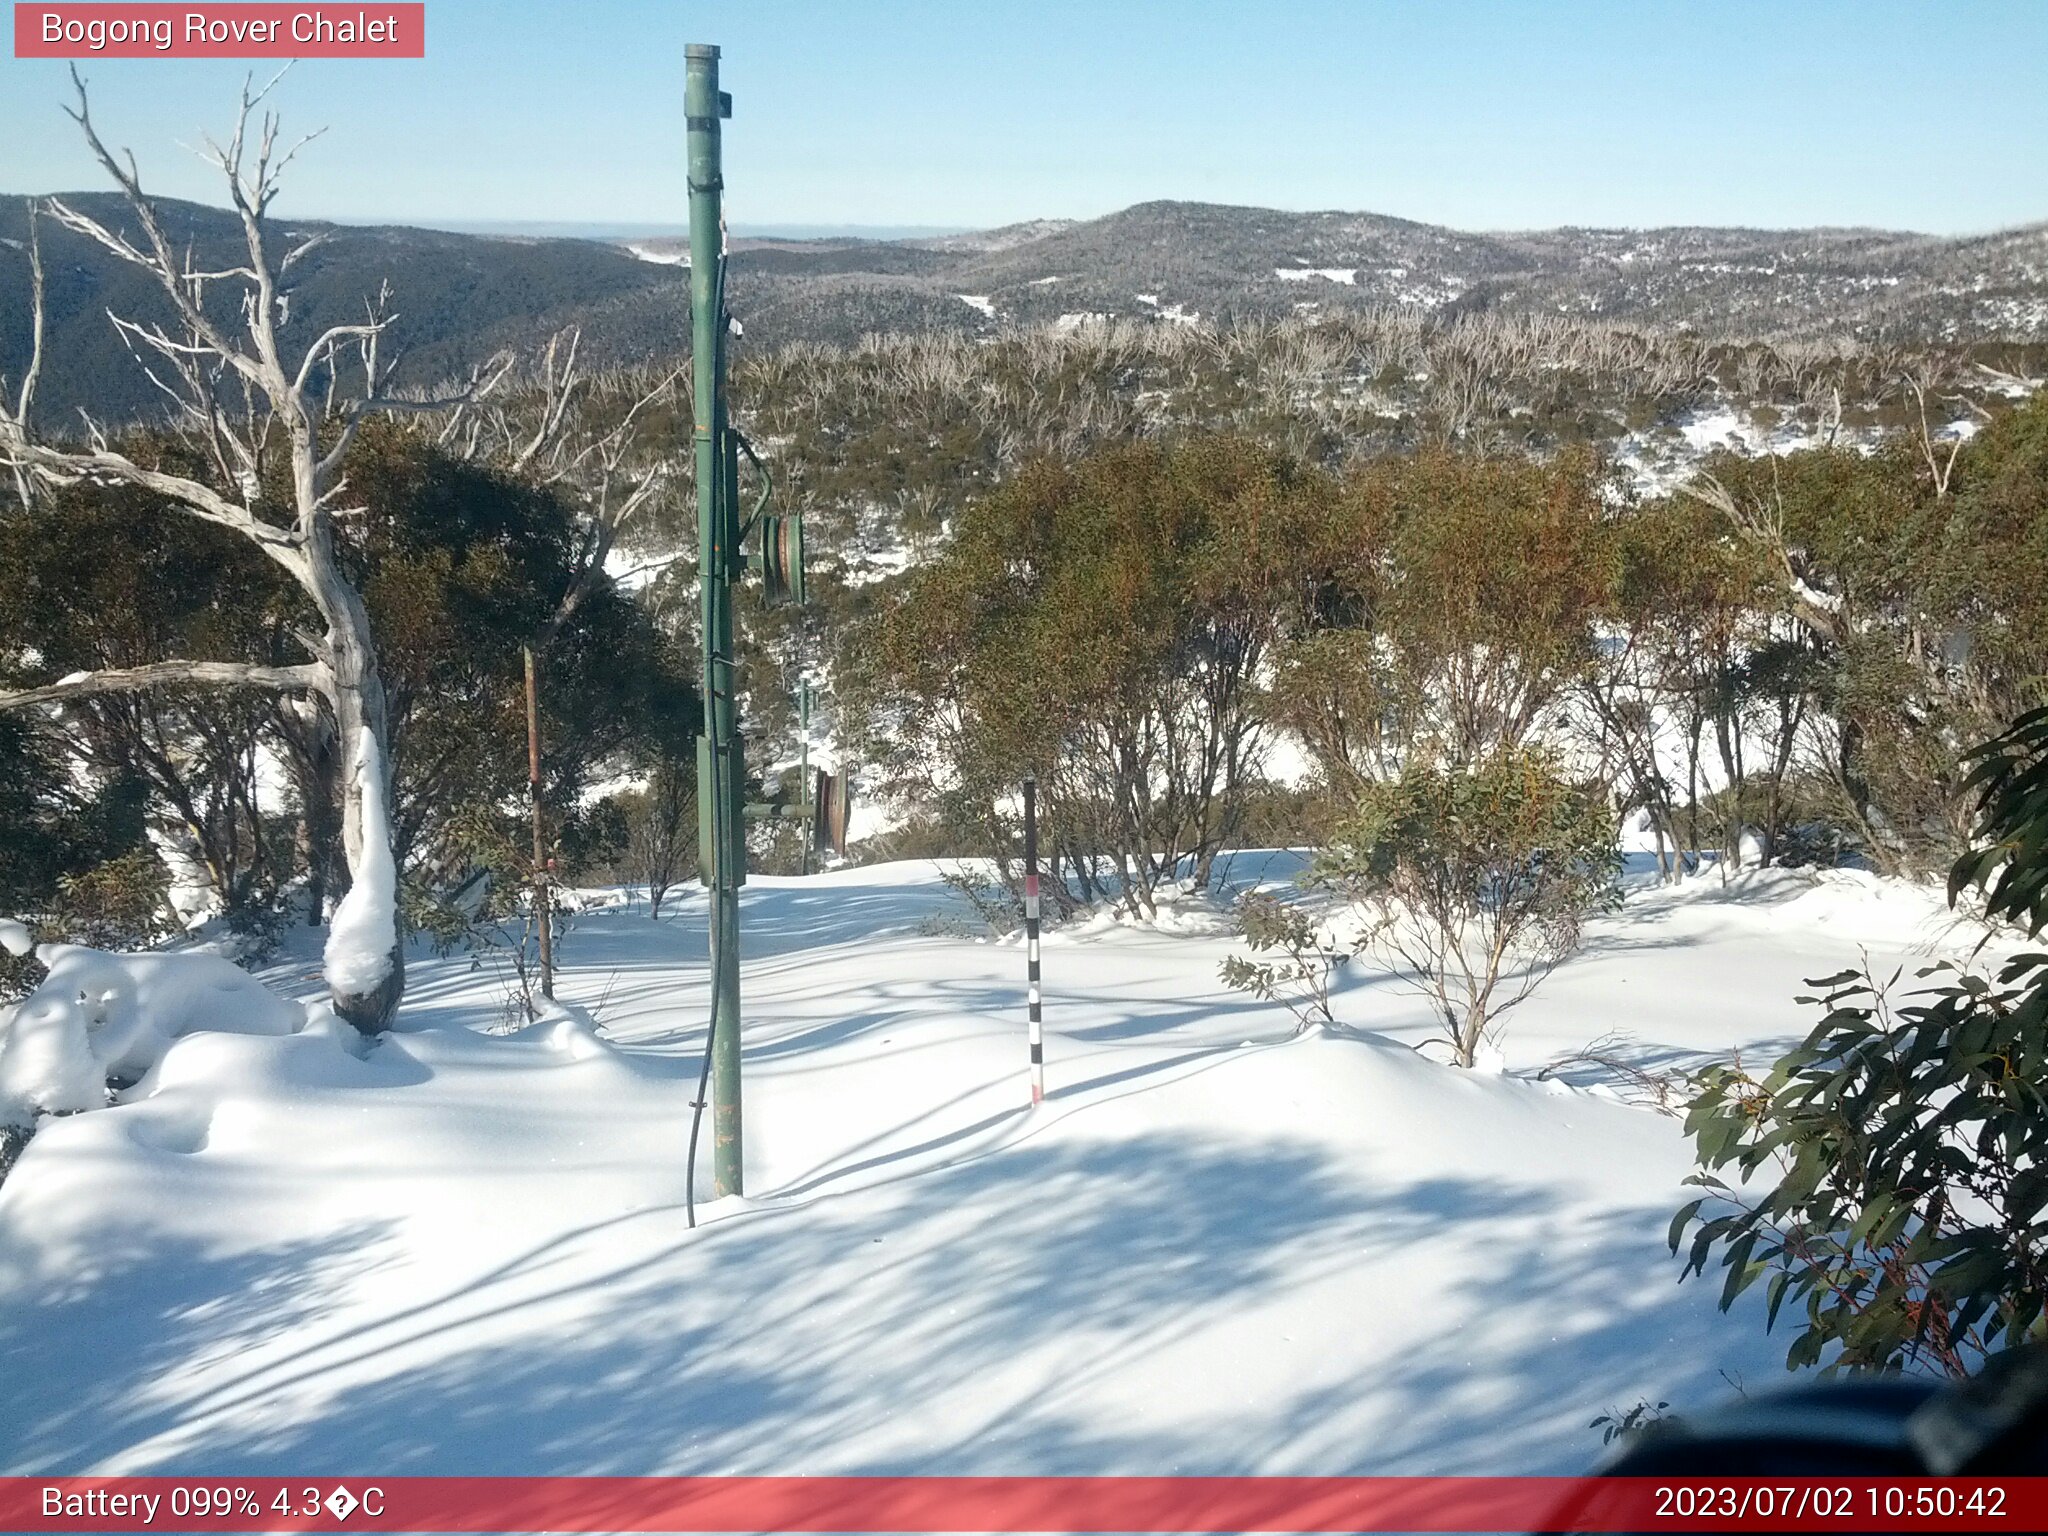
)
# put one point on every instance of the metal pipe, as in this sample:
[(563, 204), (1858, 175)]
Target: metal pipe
[(721, 833)]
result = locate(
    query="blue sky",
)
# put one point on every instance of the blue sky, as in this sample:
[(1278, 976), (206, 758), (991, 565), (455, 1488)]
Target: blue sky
[(1487, 114)]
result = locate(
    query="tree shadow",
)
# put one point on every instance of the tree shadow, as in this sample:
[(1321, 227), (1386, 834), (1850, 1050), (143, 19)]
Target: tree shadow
[(1068, 1306), (101, 1357)]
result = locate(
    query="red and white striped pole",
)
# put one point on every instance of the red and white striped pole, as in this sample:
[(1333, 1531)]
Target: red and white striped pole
[(1031, 940)]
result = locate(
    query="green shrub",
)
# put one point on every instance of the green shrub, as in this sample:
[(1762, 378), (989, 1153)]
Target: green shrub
[(1908, 1142), (1478, 880), (1301, 974)]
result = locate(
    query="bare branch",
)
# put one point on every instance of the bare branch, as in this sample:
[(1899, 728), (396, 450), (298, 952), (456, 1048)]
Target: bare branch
[(67, 467), (25, 401), (167, 674), (1764, 526)]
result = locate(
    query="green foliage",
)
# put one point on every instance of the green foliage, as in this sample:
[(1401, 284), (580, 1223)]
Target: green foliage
[(460, 568), (1103, 625), (1301, 974), (592, 840), (1908, 1144), (99, 576), (119, 904), (54, 828), (661, 829), (1619, 1423), (995, 906), (1451, 599), (1479, 878), (1909, 1147), (2010, 779), (1500, 567), (1932, 628)]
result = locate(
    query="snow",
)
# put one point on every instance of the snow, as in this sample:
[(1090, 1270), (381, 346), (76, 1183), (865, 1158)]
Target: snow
[(632, 569), (980, 301), (1656, 462), (1347, 275), (98, 1017), (359, 939), (191, 891), (1220, 1247), (15, 937), (678, 256)]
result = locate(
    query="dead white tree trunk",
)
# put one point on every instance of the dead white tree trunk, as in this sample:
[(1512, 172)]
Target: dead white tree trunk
[(238, 397)]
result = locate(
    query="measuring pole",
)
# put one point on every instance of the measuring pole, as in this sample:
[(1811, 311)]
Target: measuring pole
[(721, 834), (543, 866), (1037, 1027), (803, 770)]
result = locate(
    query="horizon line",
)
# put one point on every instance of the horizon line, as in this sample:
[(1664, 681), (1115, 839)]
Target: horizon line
[(798, 229)]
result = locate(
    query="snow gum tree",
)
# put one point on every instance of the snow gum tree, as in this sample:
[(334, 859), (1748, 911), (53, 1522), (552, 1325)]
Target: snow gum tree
[(275, 427), (1916, 579), (1454, 602), (1477, 881), (1104, 624)]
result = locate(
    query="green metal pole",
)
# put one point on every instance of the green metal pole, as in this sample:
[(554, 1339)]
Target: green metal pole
[(721, 836)]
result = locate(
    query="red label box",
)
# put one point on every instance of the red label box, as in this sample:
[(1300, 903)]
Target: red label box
[(372, 30)]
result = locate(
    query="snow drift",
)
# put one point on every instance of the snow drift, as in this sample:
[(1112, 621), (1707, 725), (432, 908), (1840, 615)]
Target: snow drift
[(99, 1019), (1219, 1247)]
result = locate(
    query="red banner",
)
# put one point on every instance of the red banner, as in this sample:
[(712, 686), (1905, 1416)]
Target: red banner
[(1004, 1504), (254, 31)]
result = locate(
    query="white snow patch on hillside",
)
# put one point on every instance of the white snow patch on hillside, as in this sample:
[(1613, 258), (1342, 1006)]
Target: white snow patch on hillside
[(980, 301), (1218, 1248), (1657, 461), (632, 569), (675, 256), (1347, 275)]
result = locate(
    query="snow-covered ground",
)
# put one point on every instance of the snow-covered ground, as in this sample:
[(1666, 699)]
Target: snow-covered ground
[(1218, 1248)]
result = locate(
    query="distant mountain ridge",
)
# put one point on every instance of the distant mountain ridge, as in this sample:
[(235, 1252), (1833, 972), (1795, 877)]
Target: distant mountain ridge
[(463, 295)]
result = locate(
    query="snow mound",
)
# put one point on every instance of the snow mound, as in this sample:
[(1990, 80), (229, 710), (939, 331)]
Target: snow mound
[(1176, 910), (99, 1017), (360, 939)]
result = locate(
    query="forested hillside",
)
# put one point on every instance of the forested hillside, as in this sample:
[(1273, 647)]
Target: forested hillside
[(464, 296)]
